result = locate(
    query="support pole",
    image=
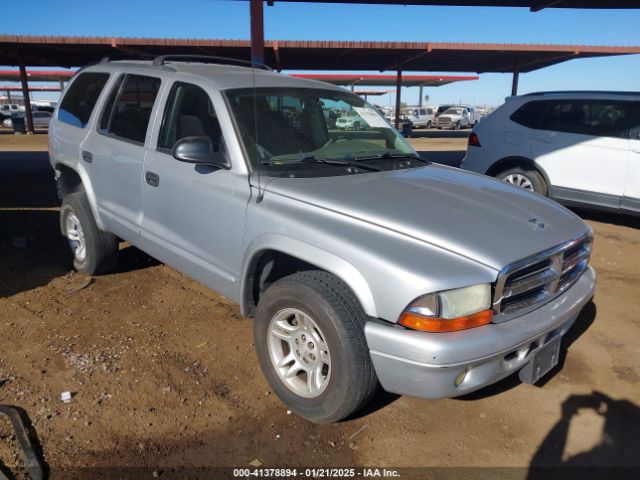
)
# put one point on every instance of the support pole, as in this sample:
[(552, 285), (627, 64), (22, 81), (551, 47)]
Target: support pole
[(25, 96), (61, 84), (516, 77), (398, 97), (353, 86), (9, 95), (420, 99), (257, 31)]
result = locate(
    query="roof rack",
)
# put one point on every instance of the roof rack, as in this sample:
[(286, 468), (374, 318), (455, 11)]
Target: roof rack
[(160, 61), (581, 92)]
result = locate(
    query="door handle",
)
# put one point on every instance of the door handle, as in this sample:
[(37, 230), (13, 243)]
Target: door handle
[(87, 156), (152, 179)]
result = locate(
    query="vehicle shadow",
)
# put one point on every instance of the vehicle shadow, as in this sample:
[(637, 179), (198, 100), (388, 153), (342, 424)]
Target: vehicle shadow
[(620, 219), (435, 133), (32, 250), (583, 322), (380, 400), (614, 456)]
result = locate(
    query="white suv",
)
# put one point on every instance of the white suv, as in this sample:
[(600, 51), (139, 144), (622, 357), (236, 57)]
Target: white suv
[(579, 148)]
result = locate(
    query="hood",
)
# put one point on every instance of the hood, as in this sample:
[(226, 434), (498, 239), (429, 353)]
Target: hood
[(476, 216)]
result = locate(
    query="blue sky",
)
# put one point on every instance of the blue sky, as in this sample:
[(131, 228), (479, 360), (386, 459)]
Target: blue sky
[(285, 21)]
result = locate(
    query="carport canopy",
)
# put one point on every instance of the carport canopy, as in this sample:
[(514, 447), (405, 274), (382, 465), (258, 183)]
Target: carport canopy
[(533, 5)]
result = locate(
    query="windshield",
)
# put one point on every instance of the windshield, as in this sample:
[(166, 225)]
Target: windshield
[(453, 111), (287, 129)]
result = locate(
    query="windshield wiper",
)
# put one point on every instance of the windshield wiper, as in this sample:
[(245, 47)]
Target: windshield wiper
[(387, 155), (331, 161)]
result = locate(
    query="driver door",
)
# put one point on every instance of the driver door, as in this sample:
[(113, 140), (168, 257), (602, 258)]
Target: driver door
[(193, 214)]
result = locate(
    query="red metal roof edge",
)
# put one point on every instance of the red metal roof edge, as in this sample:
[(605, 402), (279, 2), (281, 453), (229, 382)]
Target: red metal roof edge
[(122, 41), (48, 73)]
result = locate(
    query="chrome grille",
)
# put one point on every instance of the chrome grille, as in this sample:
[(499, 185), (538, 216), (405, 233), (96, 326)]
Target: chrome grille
[(527, 284), (444, 119)]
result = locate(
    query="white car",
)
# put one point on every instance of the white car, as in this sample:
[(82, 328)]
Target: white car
[(579, 148), (350, 121), (457, 118), (40, 119)]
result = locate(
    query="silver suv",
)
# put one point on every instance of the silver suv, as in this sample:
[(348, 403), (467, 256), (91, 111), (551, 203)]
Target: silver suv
[(362, 263)]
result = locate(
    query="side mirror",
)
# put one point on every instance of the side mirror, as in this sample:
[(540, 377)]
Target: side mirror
[(200, 151)]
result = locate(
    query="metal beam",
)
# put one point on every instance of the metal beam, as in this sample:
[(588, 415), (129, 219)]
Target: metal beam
[(542, 4), (514, 82), (25, 95), (257, 31), (420, 94), (398, 98)]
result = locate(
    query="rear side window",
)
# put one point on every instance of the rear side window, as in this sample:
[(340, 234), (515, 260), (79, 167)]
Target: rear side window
[(128, 110), (530, 113), (600, 118), (81, 97)]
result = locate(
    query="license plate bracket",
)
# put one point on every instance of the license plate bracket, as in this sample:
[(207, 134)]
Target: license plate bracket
[(541, 362)]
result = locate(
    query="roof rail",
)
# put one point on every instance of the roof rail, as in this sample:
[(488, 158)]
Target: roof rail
[(581, 92), (160, 61)]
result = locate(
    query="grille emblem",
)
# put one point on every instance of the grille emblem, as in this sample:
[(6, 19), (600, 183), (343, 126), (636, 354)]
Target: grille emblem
[(537, 224)]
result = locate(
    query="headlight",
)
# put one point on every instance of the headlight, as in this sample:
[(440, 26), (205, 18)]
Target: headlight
[(450, 310)]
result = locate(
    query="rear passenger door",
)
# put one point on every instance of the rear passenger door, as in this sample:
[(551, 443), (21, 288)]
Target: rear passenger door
[(194, 214), (581, 145), (115, 153)]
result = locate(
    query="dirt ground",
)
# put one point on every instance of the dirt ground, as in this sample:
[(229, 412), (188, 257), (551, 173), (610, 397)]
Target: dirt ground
[(164, 376)]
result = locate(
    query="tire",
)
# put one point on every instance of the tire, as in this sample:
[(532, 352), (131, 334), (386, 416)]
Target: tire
[(527, 178), (356, 125), (78, 225), (321, 301), (457, 126)]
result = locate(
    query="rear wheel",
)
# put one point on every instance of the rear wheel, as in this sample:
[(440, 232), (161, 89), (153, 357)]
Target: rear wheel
[(526, 178), (93, 250), (309, 337)]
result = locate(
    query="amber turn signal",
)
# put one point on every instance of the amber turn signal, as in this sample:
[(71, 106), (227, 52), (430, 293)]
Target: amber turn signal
[(426, 324)]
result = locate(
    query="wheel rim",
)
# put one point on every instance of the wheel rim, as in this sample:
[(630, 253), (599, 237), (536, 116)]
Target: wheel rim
[(75, 235), (299, 353), (519, 181)]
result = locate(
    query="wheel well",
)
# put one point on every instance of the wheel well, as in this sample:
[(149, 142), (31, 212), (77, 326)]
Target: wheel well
[(513, 162), (267, 268), (67, 180)]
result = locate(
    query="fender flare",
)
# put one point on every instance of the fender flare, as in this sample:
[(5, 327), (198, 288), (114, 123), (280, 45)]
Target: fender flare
[(310, 254), (88, 188)]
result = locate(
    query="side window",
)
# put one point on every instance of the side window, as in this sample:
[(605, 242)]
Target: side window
[(602, 118), (81, 97), (128, 108), (105, 118), (189, 113), (529, 114)]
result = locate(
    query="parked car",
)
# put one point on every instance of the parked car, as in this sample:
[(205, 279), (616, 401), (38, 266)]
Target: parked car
[(441, 109), (361, 263), (420, 117), (40, 119), (8, 109), (457, 118), (352, 121), (579, 148)]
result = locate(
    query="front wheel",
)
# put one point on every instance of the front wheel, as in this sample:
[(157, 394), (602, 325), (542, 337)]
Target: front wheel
[(526, 178), (94, 251), (309, 337)]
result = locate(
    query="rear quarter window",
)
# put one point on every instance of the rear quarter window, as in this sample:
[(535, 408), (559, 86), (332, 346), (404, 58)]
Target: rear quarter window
[(81, 97), (530, 113)]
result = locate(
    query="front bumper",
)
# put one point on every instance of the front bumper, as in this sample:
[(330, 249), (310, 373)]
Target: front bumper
[(423, 364)]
